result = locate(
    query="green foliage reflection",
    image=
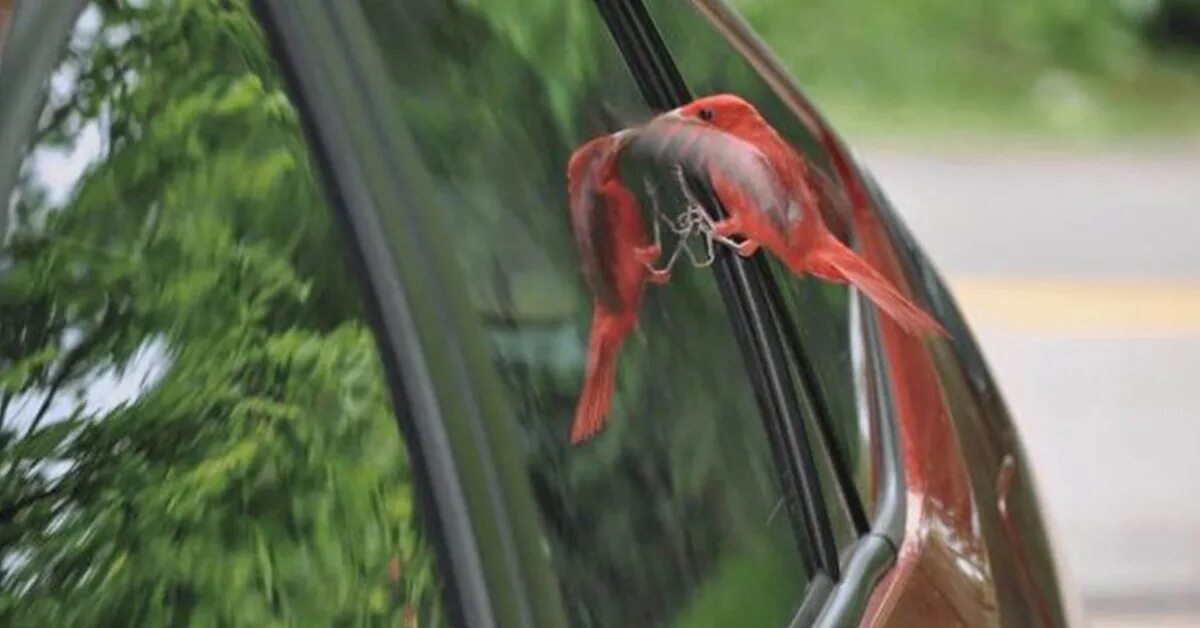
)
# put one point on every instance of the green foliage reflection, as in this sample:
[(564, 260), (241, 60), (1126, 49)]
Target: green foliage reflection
[(195, 424)]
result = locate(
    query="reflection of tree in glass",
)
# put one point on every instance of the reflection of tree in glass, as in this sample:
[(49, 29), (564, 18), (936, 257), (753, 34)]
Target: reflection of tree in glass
[(662, 519), (195, 427)]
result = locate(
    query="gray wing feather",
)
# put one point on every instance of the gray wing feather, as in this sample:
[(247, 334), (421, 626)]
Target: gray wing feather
[(702, 149), (591, 223)]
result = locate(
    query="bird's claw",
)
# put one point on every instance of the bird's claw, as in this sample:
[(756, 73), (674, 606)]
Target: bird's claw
[(660, 275), (692, 220)]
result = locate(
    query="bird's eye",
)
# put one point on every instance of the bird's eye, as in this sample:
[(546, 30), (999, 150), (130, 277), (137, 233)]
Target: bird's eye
[(706, 114)]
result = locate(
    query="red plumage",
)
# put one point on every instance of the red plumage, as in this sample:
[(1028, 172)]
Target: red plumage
[(615, 253), (768, 189)]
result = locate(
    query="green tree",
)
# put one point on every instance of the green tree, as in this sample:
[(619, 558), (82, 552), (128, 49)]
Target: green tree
[(255, 476)]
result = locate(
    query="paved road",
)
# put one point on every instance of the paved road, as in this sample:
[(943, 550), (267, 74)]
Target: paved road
[(1036, 213), (1081, 273)]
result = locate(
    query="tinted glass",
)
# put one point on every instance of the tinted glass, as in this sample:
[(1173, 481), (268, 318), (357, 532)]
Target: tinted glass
[(195, 426), (821, 311), (673, 515)]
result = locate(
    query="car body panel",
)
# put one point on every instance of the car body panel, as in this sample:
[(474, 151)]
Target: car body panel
[(1028, 586)]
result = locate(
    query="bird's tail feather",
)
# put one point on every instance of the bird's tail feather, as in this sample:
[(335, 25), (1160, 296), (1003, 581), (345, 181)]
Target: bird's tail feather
[(596, 399), (836, 262)]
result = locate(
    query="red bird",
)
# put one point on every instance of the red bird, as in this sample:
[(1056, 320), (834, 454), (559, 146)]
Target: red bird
[(767, 188), (616, 254)]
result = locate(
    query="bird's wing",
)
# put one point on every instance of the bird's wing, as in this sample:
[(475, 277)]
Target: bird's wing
[(703, 149), (832, 202), (592, 221)]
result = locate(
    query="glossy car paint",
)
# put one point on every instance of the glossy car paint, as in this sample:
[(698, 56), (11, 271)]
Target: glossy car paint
[(974, 550), (1001, 514)]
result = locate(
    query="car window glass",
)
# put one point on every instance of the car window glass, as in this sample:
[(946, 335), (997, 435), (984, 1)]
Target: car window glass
[(194, 425), (821, 311), (674, 514), (837, 503)]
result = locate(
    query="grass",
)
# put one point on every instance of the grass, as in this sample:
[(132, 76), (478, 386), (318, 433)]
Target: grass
[(1071, 71), (1062, 109)]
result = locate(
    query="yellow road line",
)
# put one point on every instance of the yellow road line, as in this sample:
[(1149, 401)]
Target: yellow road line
[(1081, 307), (1149, 620)]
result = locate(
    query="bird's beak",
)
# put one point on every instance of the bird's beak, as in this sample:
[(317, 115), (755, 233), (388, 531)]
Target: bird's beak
[(622, 137)]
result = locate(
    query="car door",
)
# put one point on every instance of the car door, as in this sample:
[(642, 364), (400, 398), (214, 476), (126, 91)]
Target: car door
[(740, 480), (465, 116)]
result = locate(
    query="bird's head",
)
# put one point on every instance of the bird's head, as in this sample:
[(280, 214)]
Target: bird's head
[(725, 112), (598, 156), (585, 156)]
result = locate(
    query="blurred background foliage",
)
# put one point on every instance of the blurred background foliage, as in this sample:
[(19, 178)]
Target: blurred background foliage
[(1069, 68)]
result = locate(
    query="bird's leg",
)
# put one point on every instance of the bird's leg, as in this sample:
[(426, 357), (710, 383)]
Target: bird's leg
[(719, 231), (710, 254), (723, 228), (662, 275), (745, 248), (652, 192), (684, 224), (650, 254), (682, 246), (659, 277), (684, 187), (696, 218), (647, 255), (728, 227), (722, 231), (680, 227)]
